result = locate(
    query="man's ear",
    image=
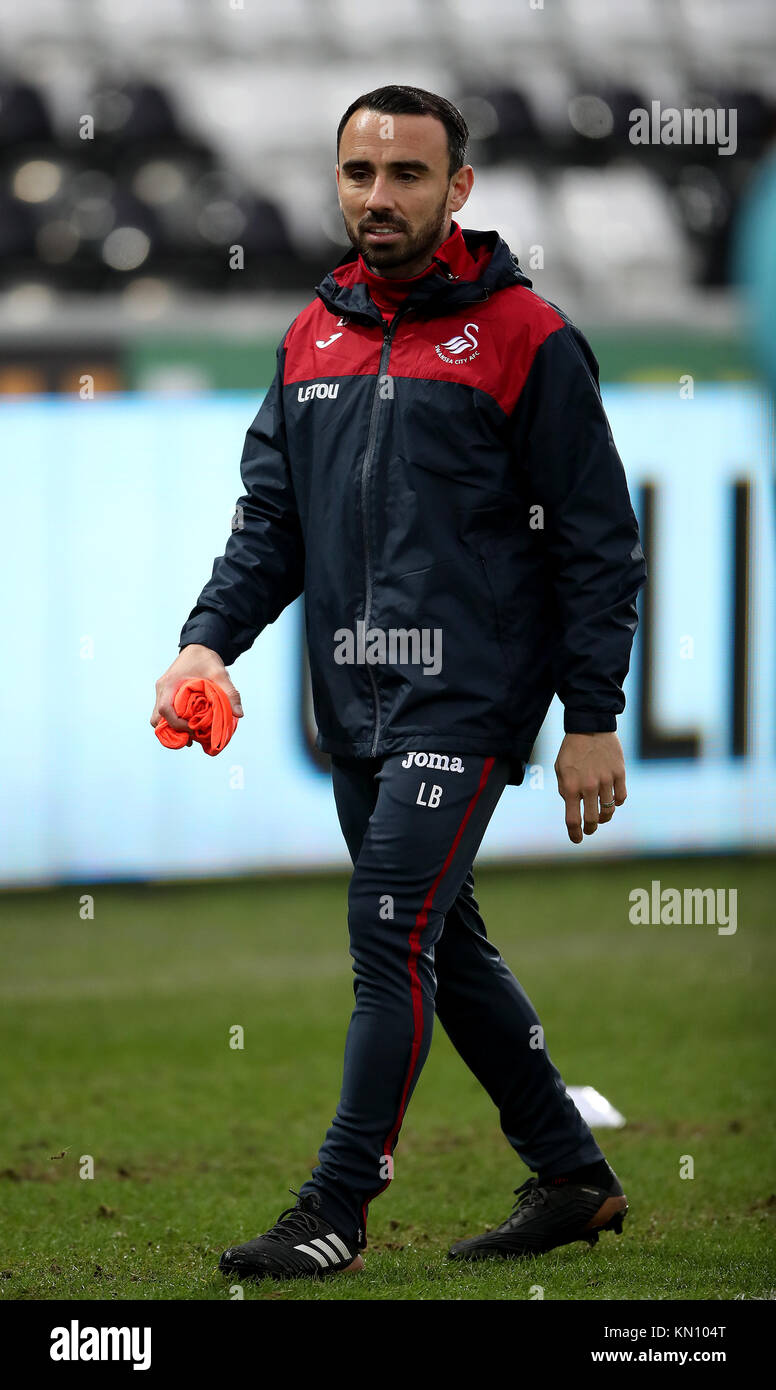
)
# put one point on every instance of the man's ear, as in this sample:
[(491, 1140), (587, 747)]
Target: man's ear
[(463, 182)]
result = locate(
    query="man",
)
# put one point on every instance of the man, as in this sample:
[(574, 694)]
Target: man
[(432, 465)]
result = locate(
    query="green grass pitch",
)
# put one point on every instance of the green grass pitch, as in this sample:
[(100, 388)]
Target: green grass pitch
[(114, 1042)]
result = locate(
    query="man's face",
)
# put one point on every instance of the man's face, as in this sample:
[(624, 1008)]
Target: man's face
[(394, 191)]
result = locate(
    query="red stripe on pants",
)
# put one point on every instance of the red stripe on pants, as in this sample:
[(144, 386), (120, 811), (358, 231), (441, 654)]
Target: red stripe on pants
[(417, 994)]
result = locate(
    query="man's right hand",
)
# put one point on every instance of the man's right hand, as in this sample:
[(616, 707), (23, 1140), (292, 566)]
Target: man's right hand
[(197, 662)]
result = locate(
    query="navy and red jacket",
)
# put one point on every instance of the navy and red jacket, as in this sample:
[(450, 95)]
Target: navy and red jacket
[(445, 467)]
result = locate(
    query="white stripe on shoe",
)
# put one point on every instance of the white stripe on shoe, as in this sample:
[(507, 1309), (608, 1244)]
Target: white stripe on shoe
[(316, 1254), (325, 1255), (327, 1250), (340, 1244)]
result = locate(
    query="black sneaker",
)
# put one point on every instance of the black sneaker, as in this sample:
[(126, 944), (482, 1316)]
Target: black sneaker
[(299, 1245), (546, 1216)]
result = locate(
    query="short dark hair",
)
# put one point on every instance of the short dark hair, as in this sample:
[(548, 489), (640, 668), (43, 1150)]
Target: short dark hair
[(414, 101)]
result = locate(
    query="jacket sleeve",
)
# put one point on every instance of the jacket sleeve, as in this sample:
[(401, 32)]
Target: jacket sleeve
[(262, 567), (571, 468)]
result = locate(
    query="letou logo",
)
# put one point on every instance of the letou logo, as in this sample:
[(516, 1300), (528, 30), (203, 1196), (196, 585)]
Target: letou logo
[(461, 348), (76, 1343), (319, 391)]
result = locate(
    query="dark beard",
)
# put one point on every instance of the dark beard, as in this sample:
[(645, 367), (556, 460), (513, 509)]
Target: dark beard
[(419, 247)]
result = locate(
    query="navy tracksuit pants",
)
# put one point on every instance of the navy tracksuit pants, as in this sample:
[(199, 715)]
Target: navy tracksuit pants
[(413, 824)]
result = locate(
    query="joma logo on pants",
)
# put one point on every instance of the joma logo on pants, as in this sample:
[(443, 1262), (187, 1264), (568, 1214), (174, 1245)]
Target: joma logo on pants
[(437, 760), (319, 391)]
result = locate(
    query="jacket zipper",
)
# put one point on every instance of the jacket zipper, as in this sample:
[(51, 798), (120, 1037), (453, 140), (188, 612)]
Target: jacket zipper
[(388, 332)]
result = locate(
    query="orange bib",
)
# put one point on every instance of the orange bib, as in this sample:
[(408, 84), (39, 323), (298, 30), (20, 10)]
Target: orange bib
[(206, 709)]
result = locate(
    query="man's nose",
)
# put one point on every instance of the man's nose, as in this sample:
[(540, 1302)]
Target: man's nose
[(380, 197)]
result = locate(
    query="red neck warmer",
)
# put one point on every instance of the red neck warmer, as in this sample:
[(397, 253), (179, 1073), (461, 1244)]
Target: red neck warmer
[(454, 255)]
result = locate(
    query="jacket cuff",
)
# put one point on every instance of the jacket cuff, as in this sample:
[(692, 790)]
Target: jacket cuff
[(209, 630), (589, 721)]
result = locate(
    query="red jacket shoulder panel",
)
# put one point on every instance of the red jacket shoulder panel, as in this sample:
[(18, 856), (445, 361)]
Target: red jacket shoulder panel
[(489, 347), (320, 344)]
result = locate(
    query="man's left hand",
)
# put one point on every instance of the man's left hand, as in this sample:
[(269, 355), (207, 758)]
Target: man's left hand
[(590, 768)]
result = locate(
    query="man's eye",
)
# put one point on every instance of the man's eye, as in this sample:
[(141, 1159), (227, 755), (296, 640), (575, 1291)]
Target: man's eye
[(408, 175)]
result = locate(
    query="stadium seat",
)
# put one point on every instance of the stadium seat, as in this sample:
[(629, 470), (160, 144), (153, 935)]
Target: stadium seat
[(619, 233), (251, 93)]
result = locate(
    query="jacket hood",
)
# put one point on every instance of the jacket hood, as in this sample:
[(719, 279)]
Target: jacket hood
[(496, 267)]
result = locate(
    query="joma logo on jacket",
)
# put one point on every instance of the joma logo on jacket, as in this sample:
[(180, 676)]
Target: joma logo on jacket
[(411, 509)]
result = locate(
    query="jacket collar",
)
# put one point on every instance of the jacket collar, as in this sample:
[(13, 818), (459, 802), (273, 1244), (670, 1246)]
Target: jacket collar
[(468, 267)]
